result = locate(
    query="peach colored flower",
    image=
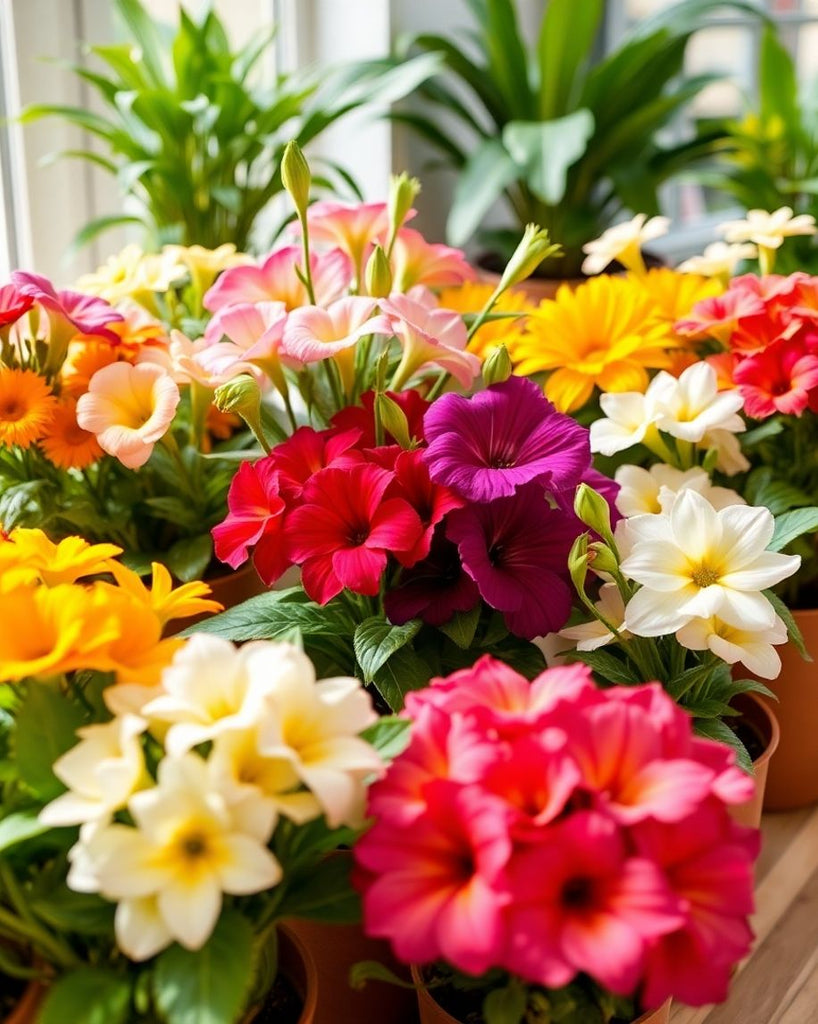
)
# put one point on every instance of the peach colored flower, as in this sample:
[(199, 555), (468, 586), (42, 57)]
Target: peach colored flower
[(129, 408)]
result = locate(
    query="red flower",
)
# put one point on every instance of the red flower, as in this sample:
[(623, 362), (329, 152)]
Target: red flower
[(256, 516), (430, 500), (306, 453), (362, 417), (344, 531), (779, 379), (13, 304)]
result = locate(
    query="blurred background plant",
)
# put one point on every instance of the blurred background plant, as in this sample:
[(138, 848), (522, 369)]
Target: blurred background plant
[(194, 146)]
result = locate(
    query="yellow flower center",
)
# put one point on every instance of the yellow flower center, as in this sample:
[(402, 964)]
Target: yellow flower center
[(705, 575)]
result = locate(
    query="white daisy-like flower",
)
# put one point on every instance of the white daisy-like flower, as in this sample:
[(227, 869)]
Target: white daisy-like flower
[(719, 259), (753, 648), (591, 635), (768, 230), (691, 405), (623, 242), (652, 491)]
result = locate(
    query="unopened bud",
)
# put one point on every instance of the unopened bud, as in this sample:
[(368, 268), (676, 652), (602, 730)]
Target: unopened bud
[(242, 396), (295, 174), (392, 419), (403, 191), (593, 510), (578, 563), (378, 274), (601, 558), (497, 366), (534, 247)]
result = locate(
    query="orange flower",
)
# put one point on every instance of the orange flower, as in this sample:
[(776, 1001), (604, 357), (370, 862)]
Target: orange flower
[(604, 334), (675, 294), (168, 603), (26, 407), (84, 358), (65, 443), (471, 297)]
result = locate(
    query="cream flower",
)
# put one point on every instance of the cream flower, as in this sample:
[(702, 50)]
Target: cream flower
[(172, 868), (691, 405), (629, 418), (623, 242), (131, 273), (102, 771), (699, 562), (768, 230), (129, 408), (594, 634), (205, 265), (729, 457), (719, 259), (753, 648), (652, 491)]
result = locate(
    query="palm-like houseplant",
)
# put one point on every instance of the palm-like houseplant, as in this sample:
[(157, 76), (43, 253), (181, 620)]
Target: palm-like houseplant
[(568, 141), (195, 147)]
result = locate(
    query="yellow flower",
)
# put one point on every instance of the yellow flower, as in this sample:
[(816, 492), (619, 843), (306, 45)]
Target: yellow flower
[(604, 334), (48, 630), (183, 602), (675, 294), (205, 265), (133, 274), (471, 297), (29, 557), (26, 407)]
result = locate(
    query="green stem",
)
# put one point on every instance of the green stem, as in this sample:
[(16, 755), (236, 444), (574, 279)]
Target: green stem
[(438, 386), (305, 242)]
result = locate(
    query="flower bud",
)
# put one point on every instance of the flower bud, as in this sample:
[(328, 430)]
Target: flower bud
[(295, 174), (242, 396), (393, 419), (403, 191), (578, 563), (601, 558), (534, 247), (497, 366), (378, 274), (593, 510)]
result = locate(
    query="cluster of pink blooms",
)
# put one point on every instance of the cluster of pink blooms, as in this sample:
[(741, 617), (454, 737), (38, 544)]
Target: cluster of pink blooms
[(480, 508), (769, 326), (554, 829)]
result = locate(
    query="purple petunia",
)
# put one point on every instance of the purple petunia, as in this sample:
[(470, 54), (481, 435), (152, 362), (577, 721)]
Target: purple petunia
[(487, 446), (516, 550)]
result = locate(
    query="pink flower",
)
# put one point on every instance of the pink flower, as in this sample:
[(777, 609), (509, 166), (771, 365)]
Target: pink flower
[(779, 379), (301, 456), (129, 408), (431, 501), (254, 333), (276, 280), (13, 304), (720, 316), (255, 517), (69, 313), (439, 888), (436, 336), (344, 531), (362, 417), (350, 226), (416, 261), (582, 904)]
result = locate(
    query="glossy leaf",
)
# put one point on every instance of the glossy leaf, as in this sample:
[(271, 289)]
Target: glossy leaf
[(567, 35), (548, 149), (488, 172)]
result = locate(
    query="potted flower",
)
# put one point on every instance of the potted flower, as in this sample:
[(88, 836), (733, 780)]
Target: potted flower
[(569, 142), (550, 850), (166, 802)]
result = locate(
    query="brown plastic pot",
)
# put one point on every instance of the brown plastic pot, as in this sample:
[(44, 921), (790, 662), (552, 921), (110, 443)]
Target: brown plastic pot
[(298, 966), (758, 715), (431, 1012), (792, 781), (25, 1012)]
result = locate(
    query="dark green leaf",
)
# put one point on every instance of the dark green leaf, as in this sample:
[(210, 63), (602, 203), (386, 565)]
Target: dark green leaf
[(608, 667), (404, 671), (75, 912), (324, 893), (462, 627), (714, 729), (376, 640), (783, 612), (47, 722), (87, 996), (506, 1005), (488, 171), (567, 35), (189, 558)]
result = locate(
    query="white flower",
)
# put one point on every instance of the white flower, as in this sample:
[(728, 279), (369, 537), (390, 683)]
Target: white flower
[(623, 242), (101, 772), (594, 634), (729, 457), (720, 259), (691, 405), (171, 869), (699, 562), (753, 648), (768, 229), (629, 414), (649, 492)]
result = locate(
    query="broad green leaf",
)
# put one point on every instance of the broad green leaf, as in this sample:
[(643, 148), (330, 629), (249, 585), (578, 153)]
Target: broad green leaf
[(567, 35), (89, 995), (47, 722), (403, 672), (208, 985), (786, 616), (488, 172), (715, 729), (506, 1005), (389, 736), (324, 892), (189, 558), (462, 627), (548, 149), (19, 826), (375, 641), (777, 83), (608, 667), (793, 524)]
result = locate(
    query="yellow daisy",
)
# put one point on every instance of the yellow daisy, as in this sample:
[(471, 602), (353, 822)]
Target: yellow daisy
[(471, 297), (28, 556), (674, 295), (166, 602)]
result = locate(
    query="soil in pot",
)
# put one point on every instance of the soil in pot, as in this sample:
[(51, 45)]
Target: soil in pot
[(283, 1005), (757, 728)]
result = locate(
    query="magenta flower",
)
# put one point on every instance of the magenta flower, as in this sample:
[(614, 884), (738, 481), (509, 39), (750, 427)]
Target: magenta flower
[(486, 446), (13, 304), (433, 589), (516, 551), (69, 313)]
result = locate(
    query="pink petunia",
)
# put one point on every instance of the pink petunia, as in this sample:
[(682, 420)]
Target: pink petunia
[(69, 313), (353, 227), (429, 336), (418, 262)]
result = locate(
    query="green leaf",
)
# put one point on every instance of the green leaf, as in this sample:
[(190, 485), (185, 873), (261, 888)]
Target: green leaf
[(324, 892), (567, 35), (508, 61), (19, 826), (462, 626), (99, 224), (146, 35), (89, 995), (488, 171), (783, 612), (777, 83), (404, 671), (608, 667), (375, 641), (372, 970), (793, 524), (267, 616), (715, 729), (189, 558), (506, 1005), (47, 722), (547, 149), (389, 736), (209, 985), (75, 912)]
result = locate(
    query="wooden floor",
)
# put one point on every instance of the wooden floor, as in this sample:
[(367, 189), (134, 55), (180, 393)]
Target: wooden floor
[(778, 983)]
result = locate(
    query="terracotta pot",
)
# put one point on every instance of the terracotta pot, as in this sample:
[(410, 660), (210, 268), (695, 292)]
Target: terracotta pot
[(793, 777), (431, 1012), (297, 964), (229, 589), (25, 1012), (757, 714), (535, 289)]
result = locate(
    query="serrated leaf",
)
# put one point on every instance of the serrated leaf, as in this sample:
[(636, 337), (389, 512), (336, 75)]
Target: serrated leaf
[(462, 626), (376, 640), (786, 616), (275, 614), (87, 996), (715, 729), (209, 985)]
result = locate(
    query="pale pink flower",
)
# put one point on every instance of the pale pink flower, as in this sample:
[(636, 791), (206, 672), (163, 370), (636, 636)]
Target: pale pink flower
[(254, 333), (418, 262), (129, 408), (350, 226), (436, 336), (276, 280)]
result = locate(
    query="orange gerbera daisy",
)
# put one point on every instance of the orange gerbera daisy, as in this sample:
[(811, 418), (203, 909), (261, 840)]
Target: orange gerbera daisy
[(471, 297), (26, 406), (83, 360), (65, 443), (604, 334), (675, 294)]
